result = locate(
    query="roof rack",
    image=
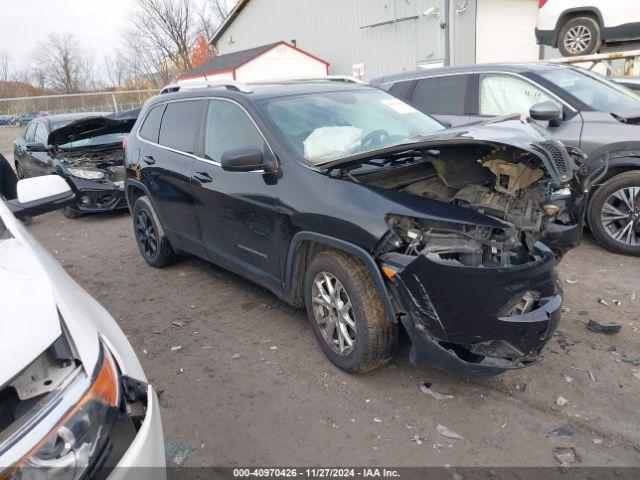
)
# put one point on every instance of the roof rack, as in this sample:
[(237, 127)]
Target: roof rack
[(228, 84), (328, 78)]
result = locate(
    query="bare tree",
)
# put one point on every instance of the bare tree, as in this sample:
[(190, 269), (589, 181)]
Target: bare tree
[(211, 14), (164, 29), (65, 66), (5, 66)]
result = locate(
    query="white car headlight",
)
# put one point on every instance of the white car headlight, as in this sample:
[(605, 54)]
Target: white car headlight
[(75, 443), (86, 174)]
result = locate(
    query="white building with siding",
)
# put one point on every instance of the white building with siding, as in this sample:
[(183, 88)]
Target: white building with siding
[(370, 38)]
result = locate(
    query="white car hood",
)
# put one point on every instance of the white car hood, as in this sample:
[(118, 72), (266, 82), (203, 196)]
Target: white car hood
[(29, 321), (57, 303)]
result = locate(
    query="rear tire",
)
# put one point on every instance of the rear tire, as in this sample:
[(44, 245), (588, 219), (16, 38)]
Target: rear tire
[(150, 237), (579, 36), (375, 336), (614, 206)]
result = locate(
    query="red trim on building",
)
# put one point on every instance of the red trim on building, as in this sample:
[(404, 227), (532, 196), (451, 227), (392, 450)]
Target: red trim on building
[(233, 71)]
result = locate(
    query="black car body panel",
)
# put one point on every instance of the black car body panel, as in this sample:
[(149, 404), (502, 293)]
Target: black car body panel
[(262, 225)]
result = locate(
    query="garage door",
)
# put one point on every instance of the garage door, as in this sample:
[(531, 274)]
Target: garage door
[(506, 31)]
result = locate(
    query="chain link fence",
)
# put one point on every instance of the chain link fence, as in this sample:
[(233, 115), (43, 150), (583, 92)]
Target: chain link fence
[(116, 101)]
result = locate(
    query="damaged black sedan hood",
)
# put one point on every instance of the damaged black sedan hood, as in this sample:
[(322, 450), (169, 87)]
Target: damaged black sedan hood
[(91, 127)]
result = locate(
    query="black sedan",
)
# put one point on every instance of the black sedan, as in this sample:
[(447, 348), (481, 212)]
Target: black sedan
[(86, 149)]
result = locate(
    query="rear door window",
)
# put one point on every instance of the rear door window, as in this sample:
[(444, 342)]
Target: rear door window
[(151, 127), (181, 124), (229, 128), (402, 89), (442, 95)]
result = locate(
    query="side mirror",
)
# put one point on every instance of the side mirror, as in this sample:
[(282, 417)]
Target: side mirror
[(36, 147), (245, 159), (40, 195), (547, 111)]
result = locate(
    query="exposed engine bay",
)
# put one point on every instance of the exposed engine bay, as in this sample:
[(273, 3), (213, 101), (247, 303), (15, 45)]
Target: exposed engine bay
[(505, 183), (107, 159)]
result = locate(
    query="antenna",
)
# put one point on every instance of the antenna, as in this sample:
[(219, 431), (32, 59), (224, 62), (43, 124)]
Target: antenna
[(204, 74)]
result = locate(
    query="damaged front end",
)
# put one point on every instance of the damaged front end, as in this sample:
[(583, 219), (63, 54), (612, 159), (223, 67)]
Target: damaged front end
[(90, 155), (474, 299), (477, 291)]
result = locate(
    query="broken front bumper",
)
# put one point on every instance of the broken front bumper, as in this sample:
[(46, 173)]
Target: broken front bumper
[(476, 320), (93, 196)]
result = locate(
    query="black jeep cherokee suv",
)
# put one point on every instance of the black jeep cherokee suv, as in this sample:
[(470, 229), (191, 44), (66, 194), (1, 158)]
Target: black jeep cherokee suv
[(345, 199)]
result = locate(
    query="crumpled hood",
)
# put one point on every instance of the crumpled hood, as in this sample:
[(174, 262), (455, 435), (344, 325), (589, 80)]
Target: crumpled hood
[(93, 127), (29, 321), (511, 131)]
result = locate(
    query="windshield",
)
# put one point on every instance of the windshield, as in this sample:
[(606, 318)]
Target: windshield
[(327, 126), (98, 140), (595, 90)]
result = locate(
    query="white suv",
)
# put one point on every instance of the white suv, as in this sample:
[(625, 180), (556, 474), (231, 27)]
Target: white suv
[(579, 27)]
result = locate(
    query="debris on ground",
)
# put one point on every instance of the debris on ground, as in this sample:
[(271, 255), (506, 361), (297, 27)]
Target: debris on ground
[(636, 373), (566, 455), (177, 452), (417, 439), (377, 420), (425, 387), (178, 323), (602, 301), (445, 432), (571, 281), (561, 432), (601, 328), (583, 313), (626, 358), (561, 401), (597, 441), (176, 348), (521, 387), (568, 379), (617, 302), (236, 356)]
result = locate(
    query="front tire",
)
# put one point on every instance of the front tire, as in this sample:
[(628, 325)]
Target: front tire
[(579, 36), (614, 214), (346, 313), (150, 237)]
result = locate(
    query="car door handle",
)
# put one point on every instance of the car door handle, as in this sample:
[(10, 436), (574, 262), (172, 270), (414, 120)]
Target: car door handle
[(149, 160), (203, 177)]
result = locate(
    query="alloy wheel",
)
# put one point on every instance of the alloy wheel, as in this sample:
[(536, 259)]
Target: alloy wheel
[(620, 216), (577, 39), (146, 232), (333, 312)]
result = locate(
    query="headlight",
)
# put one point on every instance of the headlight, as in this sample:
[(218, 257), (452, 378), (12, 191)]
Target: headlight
[(86, 174), (79, 438)]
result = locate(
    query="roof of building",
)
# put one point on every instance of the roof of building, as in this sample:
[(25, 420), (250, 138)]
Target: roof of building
[(235, 11), (231, 61)]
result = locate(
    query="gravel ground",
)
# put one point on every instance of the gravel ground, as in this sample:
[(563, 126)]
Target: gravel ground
[(251, 387)]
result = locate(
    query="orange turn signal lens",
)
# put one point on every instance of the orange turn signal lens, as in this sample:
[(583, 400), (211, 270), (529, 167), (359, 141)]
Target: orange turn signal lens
[(389, 271)]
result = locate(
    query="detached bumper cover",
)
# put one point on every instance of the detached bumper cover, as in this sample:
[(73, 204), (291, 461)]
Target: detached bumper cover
[(464, 319), (145, 457), (94, 196)]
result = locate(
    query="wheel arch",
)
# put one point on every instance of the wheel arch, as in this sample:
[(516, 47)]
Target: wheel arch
[(617, 166), (306, 244), (134, 191), (577, 12)]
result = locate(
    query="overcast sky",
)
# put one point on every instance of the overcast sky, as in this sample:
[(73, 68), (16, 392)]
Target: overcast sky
[(96, 23)]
